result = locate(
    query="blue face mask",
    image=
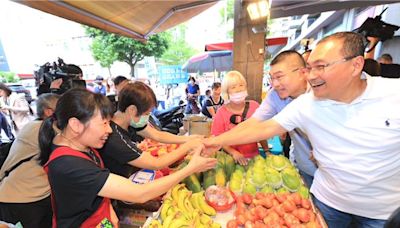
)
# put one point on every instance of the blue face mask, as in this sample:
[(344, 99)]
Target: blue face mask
[(141, 123)]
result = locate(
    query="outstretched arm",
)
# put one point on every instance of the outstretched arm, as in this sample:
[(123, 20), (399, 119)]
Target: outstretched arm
[(254, 133), (147, 161), (166, 137), (120, 188)]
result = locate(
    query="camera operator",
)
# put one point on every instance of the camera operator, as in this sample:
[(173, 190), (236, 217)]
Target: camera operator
[(375, 30), (58, 78)]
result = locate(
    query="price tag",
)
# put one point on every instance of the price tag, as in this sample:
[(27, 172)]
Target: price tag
[(143, 176)]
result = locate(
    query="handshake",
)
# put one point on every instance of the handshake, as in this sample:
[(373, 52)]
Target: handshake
[(206, 147)]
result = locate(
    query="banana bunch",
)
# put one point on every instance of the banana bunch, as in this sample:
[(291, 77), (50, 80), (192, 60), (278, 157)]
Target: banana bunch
[(181, 208)]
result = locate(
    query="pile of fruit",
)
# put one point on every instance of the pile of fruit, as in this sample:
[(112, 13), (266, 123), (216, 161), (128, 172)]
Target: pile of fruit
[(274, 210), (156, 148), (218, 176), (275, 174), (182, 208)]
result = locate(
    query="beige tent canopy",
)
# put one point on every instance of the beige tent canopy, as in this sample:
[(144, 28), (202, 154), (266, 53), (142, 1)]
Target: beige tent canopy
[(132, 18)]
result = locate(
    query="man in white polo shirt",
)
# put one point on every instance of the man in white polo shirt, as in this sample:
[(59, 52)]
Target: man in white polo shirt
[(353, 123)]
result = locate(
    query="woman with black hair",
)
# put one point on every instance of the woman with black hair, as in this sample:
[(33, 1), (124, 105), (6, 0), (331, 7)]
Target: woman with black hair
[(16, 106), (81, 186), (121, 155)]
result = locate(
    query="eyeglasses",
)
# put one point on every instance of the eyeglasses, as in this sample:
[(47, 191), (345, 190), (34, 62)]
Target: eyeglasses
[(320, 69), (280, 76)]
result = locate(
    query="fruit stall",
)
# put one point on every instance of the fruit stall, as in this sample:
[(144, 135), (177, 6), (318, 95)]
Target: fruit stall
[(268, 192)]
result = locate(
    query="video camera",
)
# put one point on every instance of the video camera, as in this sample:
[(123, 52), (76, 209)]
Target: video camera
[(375, 27), (69, 73)]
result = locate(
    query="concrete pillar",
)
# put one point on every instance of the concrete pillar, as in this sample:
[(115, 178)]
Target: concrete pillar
[(249, 48)]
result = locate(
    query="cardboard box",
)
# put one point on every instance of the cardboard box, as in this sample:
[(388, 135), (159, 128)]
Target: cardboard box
[(197, 125)]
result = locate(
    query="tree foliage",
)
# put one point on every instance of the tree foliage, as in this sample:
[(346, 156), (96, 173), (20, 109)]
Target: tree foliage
[(179, 50), (8, 77), (108, 48), (229, 17)]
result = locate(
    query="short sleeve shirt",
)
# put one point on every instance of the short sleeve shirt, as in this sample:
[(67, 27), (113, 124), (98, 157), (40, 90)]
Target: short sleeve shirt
[(271, 106), (75, 184), (119, 150), (192, 89), (356, 146), (210, 103), (222, 124)]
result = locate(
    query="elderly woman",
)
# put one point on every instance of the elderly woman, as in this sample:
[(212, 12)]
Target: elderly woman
[(25, 190), (16, 106), (235, 110)]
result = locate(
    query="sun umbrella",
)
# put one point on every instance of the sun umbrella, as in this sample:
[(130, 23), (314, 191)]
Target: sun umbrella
[(209, 61)]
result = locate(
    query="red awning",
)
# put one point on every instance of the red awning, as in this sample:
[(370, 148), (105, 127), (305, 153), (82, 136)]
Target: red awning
[(229, 45), (25, 76)]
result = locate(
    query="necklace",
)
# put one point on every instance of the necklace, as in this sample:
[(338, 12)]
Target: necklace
[(87, 151), (74, 145)]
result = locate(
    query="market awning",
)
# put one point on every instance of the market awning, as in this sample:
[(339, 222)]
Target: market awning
[(285, 8), (137, 19), (229, 45)]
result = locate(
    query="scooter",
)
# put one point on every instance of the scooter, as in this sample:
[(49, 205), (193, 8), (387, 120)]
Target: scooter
[(169, 120)]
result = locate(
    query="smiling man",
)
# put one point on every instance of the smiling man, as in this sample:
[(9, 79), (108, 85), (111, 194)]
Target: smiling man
[(353, 123), (289, 80)]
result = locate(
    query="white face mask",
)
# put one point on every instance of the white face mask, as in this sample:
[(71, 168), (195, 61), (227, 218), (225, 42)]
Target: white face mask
[(238, 97)]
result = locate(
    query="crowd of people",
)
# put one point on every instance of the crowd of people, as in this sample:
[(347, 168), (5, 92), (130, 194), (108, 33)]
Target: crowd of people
[(80, 150)]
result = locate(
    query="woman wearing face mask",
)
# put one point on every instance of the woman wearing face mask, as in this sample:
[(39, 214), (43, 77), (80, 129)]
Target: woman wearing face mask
[(120, 154), (235, 110), (80, 184)]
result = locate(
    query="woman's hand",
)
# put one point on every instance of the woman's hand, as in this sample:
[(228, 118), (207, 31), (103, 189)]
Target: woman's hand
[(239, 158), (200, 164), (211, 146), (191, 137), (190, 145)]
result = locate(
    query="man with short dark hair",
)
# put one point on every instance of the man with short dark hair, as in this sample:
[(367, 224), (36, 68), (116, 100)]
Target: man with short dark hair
[(352, 121), (119, 82), (385, 59), (288, 80)]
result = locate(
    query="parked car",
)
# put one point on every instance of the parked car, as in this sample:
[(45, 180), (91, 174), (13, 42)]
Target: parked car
[(18, 88)]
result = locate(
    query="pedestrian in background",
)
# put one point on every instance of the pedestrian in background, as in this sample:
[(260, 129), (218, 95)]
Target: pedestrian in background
[(15, 106)]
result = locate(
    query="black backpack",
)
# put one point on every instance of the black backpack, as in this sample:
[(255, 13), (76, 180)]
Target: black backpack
[(4, 151)]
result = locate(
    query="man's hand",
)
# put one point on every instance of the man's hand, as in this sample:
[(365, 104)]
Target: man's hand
[(56, 84), (210, 147)]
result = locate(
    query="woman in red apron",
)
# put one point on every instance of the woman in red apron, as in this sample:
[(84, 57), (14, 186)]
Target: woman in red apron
[(81, 186)]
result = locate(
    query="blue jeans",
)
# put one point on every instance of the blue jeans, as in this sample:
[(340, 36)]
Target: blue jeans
[(308, 179), (339, 219)]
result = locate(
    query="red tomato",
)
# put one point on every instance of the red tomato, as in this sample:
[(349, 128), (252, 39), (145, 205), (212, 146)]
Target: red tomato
[(296, 198), (232, 224), (241, 220), (261, 212), (289, 206), (305, 204), (247, 198), (281, 197), (303, 215)]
